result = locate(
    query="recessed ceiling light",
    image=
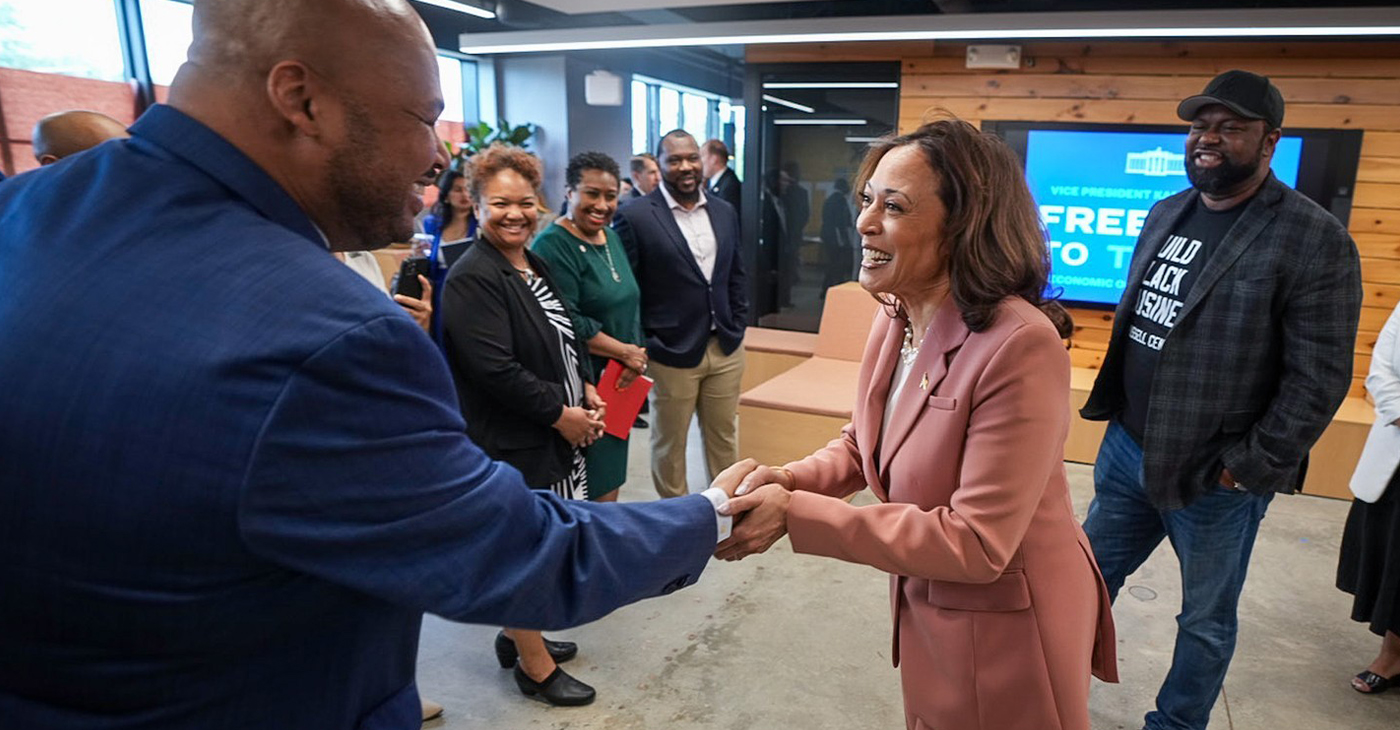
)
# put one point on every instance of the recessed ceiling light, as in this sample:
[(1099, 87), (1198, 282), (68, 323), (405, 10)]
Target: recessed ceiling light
[(464, 6), (789, 104)]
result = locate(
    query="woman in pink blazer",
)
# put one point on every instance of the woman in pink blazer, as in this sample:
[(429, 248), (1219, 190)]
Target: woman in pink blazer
[(1000, 614)]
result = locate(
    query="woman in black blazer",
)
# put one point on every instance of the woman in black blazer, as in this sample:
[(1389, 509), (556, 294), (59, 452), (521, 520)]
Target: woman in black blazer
[(523, 386)]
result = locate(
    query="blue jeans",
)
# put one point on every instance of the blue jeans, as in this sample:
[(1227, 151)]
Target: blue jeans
[(1212, 538)]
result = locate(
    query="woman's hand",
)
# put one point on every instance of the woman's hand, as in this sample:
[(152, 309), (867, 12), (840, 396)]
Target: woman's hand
[(764, 522), (747, 475), (577, 426), (595, 403), (421, 310), (634, 363)]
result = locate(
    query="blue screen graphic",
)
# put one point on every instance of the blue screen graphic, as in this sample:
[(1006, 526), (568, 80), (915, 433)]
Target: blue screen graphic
[(1094, 190)]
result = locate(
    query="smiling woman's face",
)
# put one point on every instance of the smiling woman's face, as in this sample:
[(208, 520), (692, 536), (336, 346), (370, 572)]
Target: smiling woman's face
[(901, 226), (509, 210)]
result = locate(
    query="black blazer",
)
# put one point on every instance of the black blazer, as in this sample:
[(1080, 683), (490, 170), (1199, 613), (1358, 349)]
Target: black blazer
[(680, 308), (727, 188), (508, 372), (1261, 354)]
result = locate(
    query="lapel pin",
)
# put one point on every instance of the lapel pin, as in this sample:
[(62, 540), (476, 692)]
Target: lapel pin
[(923, 384), (581, 249)]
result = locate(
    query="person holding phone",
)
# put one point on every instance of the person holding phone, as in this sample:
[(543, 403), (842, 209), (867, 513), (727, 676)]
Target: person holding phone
[(590, 266), (521, 379)]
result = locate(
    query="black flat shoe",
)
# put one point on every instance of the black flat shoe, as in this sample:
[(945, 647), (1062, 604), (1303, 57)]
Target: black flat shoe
[(640, 423), (506, 653), (558, 689), (1374, 683)]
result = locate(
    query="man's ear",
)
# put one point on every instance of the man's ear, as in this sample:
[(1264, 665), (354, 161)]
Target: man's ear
[(295, 92), (1271, 138)]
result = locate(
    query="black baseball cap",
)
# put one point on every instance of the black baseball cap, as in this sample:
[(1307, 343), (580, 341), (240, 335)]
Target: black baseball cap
[(1246, 94)]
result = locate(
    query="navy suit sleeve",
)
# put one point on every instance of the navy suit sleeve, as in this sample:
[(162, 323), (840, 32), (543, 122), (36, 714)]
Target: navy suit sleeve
[(623, 226), (738, 282), (362, 476)]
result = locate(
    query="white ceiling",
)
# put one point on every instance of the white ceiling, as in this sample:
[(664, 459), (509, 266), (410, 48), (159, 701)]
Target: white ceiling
[(610, 6)]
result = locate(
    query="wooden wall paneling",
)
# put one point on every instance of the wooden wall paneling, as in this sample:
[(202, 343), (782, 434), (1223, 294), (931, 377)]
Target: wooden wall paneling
[(1135, 111), (1378, 245), (828, 52), (1380, 271), (1277, 68), (1385, 296), (1093, 86), (1378, 169), (1380, 144), (1374, 220), (1377, 194)]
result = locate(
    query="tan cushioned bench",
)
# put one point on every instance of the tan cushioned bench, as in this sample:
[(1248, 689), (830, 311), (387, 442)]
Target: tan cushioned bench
[(769, 353)]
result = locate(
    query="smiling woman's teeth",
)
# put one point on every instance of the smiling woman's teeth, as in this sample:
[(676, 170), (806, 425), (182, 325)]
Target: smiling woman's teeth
[(872, 257)]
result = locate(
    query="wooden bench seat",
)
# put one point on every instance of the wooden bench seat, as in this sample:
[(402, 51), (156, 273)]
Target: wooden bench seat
[(769, 353)]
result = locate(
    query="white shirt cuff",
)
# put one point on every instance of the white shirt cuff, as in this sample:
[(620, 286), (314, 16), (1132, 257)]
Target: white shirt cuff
[(723, 523)]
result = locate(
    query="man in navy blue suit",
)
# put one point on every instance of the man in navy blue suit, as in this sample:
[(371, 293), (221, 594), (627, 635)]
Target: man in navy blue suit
[(232, 474), (684, 250)]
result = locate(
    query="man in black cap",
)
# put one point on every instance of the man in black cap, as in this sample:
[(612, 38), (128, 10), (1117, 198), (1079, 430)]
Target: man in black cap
[(1231, 350)]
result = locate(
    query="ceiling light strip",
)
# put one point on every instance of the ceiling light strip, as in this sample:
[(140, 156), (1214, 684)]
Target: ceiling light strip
[(462, 7), (831, 85), (804, 121), (788, 104), (1249, 23)]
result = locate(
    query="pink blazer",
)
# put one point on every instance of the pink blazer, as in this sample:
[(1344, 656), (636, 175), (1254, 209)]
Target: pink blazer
[(1000, 613)]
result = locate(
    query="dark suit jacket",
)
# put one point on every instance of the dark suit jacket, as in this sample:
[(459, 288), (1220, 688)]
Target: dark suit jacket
[(1261, 354), (679, 308), (727, 188), (233, 475), (506, 365)]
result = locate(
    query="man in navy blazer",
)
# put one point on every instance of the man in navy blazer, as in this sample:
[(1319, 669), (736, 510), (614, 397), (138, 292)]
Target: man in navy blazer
[(684, 250), (232, 474)]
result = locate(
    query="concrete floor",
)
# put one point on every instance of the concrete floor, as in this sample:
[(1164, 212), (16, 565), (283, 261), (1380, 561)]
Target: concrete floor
[(782, 640)]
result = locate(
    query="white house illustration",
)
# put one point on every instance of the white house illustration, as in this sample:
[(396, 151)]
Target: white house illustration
[(1155, 163)]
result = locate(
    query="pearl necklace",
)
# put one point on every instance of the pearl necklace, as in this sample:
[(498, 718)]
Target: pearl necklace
[(909, 351)]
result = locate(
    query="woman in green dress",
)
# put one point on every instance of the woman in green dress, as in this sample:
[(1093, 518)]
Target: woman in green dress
[(592, 275)]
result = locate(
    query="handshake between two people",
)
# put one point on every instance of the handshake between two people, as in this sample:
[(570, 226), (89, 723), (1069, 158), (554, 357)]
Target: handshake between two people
[(758, 501)]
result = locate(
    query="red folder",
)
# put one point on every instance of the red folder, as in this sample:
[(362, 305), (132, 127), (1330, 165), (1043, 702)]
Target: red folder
[(623, 405)]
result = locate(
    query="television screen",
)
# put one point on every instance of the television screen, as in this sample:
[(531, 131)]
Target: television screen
[(1094, 185)]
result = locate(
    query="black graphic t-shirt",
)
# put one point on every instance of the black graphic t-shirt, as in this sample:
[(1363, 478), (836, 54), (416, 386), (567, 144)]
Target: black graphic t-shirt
[(1158, 300)]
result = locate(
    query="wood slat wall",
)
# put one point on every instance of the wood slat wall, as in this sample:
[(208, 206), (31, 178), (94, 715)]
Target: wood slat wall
[(1342, 85)]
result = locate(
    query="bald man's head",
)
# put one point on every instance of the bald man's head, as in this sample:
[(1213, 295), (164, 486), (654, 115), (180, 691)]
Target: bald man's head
[(335, 99), (67, 133)]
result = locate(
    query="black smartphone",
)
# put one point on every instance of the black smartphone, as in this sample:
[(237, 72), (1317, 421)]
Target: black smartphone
[(407, 283)]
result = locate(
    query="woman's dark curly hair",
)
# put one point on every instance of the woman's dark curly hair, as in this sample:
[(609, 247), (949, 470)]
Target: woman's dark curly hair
[(573, 174)]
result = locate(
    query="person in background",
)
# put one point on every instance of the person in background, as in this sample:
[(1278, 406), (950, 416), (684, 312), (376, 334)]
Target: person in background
[(959, 429), (1369, 567), (625, 189), (646, 175), (1231, 349), (797, 210), (720, 181), (61, 134), (838, 236), (453, 220), (589, 267), (523, 385), (232, 512), (684, 250)]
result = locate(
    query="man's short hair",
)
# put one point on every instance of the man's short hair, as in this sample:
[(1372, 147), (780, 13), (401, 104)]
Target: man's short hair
[(638, 163), (717, 148), (661, 144)]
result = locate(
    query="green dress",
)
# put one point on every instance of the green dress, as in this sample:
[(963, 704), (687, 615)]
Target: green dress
[(602, 295)]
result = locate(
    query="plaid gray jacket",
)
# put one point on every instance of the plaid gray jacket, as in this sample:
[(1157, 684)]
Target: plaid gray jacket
[(1261, 354)]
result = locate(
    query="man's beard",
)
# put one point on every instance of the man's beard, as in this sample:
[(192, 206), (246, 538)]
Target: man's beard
[(1223, 177), (370, 210)]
